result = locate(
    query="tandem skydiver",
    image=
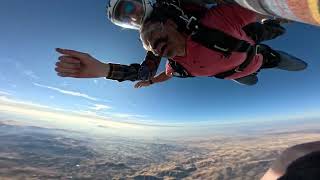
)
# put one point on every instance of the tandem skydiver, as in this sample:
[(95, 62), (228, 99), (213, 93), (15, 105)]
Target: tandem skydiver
[(222, 42)]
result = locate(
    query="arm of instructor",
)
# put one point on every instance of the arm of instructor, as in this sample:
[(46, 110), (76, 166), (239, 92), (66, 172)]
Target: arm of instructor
[(82, 65), (79, 65)]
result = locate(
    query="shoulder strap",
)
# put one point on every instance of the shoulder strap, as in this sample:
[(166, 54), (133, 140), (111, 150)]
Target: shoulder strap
[(211, 38), (219, 41), (215, 39)]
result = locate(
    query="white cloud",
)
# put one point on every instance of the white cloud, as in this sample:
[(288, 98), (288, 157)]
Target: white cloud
[(64, 84), (95, 81), (86, 113), (30, 74), (99, 107), (25, 71), (71, 93), (75, 120), (5, 93), (12, 101), (124, 115)]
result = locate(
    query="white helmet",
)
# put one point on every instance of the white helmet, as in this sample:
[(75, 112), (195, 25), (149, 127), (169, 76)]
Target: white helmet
[(129, 13)]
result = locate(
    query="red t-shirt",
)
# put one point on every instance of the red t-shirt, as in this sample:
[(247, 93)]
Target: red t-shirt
[(201, 61)]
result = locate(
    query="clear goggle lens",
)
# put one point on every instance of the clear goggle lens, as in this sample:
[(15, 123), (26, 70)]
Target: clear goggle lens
[(130, 14)]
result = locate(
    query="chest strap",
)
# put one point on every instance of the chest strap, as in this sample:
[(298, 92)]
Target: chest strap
[(219, 41), (181, 72), (254, 50), (215, 39)]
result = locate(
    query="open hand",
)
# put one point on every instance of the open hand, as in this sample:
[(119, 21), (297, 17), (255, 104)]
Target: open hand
[(141, 84), (79, 65)]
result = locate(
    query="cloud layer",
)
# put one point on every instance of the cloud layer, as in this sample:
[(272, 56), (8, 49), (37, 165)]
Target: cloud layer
[(71, 93)]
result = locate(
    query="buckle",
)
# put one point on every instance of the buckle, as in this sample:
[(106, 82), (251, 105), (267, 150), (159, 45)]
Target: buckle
[(238, 69), (190, 21), (221, 48), (257, 49)]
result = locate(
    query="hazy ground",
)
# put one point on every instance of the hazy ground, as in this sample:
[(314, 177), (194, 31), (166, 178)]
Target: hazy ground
[(29, 152)]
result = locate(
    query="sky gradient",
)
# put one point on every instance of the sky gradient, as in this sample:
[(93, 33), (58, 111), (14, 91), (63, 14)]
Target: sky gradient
[(31, 31)]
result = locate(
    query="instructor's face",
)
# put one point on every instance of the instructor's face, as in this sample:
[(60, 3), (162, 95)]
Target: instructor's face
[(163, 39)]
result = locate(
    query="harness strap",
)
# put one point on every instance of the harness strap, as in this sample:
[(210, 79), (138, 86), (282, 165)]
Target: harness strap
[(254, 50), (210, 38), (213, 38), (217, 40)]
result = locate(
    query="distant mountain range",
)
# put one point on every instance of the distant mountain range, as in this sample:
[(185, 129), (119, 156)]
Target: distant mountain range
[(30, 152)]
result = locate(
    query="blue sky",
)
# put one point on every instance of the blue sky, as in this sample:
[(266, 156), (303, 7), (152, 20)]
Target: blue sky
[(31, 31)]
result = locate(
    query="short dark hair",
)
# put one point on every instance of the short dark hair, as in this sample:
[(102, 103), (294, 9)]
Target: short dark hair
[(163, 12), (157, 16), (304, 168)]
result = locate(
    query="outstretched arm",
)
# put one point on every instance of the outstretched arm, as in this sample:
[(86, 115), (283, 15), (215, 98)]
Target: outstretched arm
[(82, 65), (157, 79), (79, 65)]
